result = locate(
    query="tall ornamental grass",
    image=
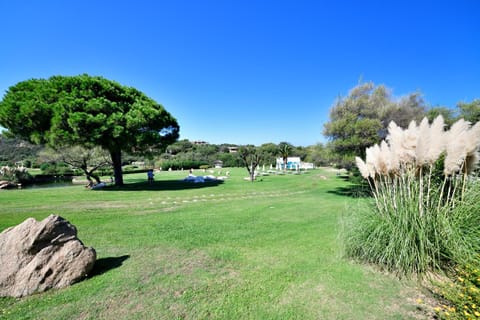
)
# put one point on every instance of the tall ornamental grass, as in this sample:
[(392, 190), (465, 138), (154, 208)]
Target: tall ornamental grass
[(421, 218)]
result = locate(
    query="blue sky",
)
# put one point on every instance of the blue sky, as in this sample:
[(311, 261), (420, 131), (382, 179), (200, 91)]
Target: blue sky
[(249, 71)]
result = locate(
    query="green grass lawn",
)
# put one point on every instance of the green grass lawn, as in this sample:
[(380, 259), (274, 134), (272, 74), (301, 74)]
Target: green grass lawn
[(235, 250)]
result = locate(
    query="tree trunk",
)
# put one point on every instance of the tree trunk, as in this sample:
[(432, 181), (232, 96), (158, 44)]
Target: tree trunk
[(117, 167), (96, 177), (252, 173)]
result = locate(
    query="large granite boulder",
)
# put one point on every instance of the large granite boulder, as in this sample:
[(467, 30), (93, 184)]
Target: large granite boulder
[(37, 256)]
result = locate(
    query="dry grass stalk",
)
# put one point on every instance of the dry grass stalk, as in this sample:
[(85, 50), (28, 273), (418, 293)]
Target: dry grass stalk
[(407, 156), (416, 219)]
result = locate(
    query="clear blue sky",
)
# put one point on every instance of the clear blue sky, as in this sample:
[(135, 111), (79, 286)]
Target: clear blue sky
[(249, 71)]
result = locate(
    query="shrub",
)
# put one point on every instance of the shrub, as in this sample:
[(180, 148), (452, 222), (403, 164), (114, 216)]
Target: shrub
[(181, 164), (56, 169), (15, 174), (133, 170), (129, 168), (45, 167), (461, 296), (415, 222)]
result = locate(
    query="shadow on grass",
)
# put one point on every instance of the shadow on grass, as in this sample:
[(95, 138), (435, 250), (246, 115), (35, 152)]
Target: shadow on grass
[(344, 177), (162, 185), (353, 191), (104, 265)]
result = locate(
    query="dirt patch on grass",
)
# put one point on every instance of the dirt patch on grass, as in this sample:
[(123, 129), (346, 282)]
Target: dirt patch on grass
[(174, 261), (154, 211), (165, 283), (318, 300), (314, 299)]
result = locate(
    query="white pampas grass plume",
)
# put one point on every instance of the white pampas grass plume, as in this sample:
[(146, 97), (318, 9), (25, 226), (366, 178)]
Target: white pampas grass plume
[(394, 161), (372, 159), (456, 147), (458, 128), (395, 140), (423, 142), (362, 166), (473, 139), (472, 146), (395, 135), (409, 144), (437, 140), (387, 161)]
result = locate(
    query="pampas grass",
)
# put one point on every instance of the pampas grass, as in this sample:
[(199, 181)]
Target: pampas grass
[(414, 224)]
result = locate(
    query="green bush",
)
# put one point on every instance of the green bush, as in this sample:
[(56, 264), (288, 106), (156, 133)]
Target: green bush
[(404, 241), (57, 169), (132, 170), (45, 167), (400, 241), (23, 177), (129, 168), (424, 211), (181, 164)]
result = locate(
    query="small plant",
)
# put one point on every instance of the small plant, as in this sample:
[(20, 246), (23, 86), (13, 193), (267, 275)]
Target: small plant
[(412, 226), (462, 295)]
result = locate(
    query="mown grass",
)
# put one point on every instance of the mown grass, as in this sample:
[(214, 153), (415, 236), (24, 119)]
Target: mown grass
[(236, 250)]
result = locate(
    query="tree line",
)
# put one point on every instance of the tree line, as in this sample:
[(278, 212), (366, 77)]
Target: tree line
[(182, 154), (92, 123), (361, 119)]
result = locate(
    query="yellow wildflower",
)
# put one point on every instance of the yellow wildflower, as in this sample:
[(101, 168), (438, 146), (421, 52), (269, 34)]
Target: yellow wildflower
[(460, 279), (476, 313), (419, 301)]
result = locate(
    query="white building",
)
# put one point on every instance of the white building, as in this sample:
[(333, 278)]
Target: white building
[(293, 163)]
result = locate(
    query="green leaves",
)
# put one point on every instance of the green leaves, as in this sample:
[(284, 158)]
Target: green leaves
[(87, 111), (360, 119), (470, 111)]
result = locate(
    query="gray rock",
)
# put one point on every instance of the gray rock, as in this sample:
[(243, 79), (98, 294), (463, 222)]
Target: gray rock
[(37, 256)]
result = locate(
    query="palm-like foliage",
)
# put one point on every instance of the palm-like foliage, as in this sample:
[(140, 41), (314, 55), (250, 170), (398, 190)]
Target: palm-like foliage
[(285, 149)]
